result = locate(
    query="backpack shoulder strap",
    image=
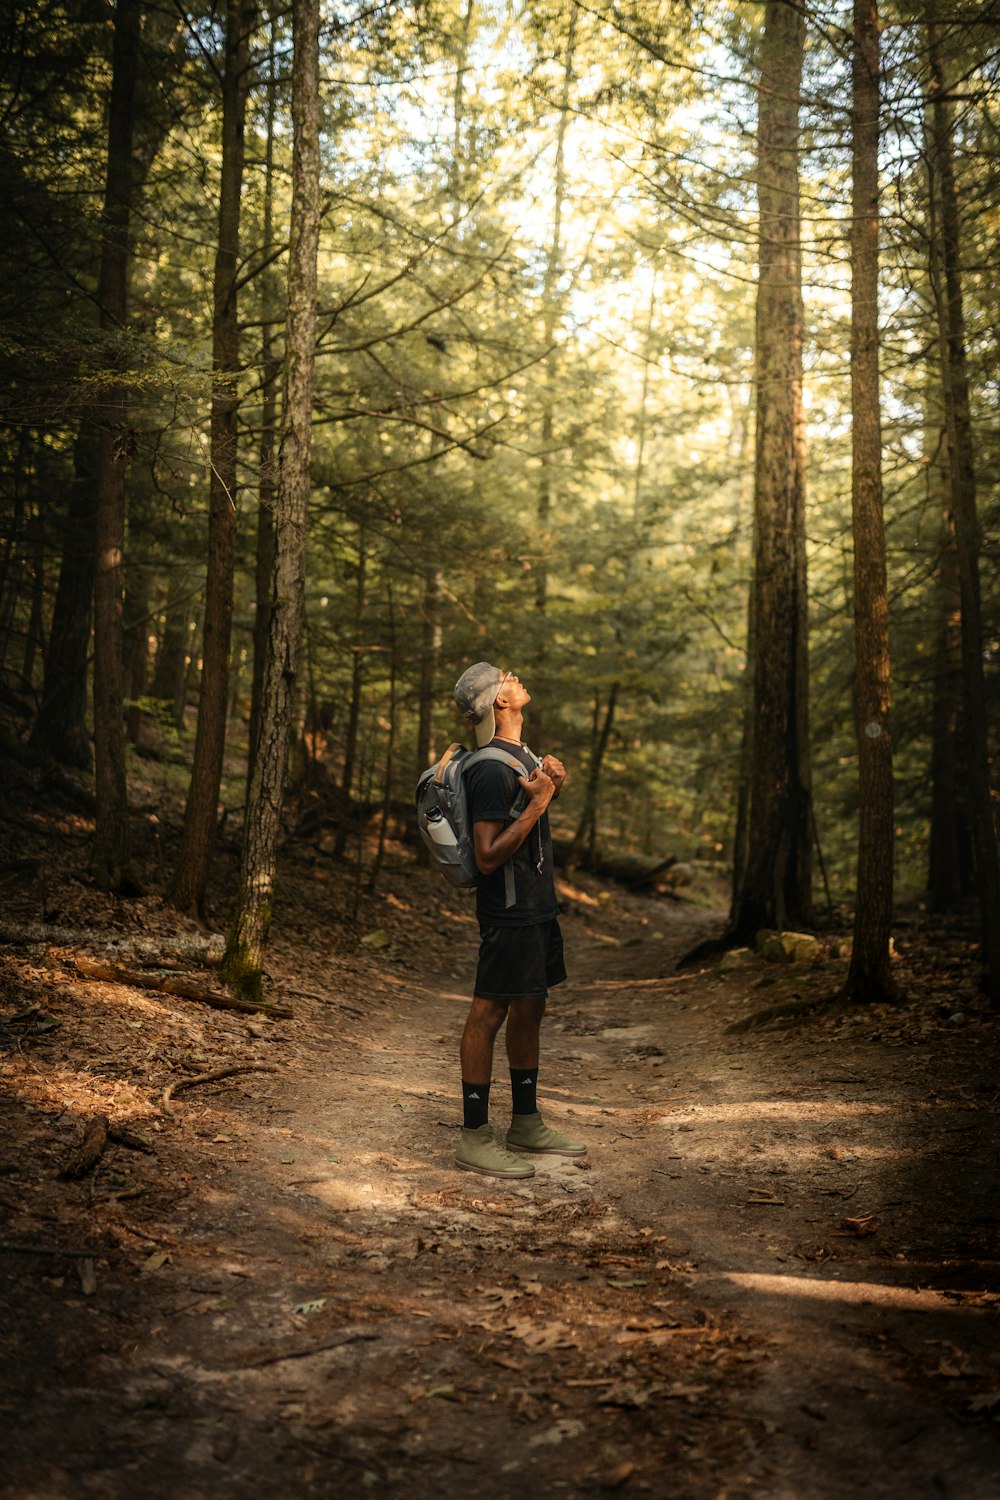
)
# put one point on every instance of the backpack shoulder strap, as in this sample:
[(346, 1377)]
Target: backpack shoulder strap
[(493, 752)]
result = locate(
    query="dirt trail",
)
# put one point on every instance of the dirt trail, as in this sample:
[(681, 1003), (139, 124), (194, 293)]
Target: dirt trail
[(775, 1276)]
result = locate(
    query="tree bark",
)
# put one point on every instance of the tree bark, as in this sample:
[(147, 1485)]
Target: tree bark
[(946, 275), (775, 890), (946, 881), (585, 838), (136, 648), (552, 307), (357, 682), (869, 977), (170, 667), (190, 879), (270, 387), (244, 960), (109, 857)]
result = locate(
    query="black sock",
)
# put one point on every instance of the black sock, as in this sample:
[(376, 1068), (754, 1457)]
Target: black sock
[(475, 1104), (523, 1083)]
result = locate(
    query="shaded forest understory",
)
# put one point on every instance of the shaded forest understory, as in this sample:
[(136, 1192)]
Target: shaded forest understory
[(776, 1273)]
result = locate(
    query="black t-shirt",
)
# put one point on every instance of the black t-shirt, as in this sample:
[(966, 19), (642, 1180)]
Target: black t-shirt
[(492, 788)]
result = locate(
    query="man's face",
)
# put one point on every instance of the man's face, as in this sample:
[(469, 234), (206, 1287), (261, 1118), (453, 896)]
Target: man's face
[(512, 692)]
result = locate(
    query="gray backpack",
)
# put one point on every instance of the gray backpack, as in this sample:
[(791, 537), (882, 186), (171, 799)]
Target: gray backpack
[(443, 814)]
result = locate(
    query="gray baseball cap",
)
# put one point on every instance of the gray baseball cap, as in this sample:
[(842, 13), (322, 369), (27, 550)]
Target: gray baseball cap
[(475, 694)]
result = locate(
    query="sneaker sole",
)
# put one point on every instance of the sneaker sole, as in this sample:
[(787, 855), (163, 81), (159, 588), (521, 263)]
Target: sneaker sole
[(545, 1150), (467, 1166)]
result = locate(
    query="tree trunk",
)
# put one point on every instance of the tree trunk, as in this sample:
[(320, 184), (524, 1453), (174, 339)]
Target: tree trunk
[(35, 633), (187, 889), (430, 655), (357, 682), (946, 275), (585, 839), (109, 857), (244, 959), (869, 977), (271, 378), (136, 648), (775, 890), (170, 668), (945, 876), (552, 306)]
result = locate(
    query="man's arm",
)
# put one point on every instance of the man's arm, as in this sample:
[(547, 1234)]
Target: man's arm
[(496, 844)]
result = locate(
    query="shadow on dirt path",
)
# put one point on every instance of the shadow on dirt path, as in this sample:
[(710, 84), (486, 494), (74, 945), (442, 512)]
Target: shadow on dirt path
[(775, 1275)]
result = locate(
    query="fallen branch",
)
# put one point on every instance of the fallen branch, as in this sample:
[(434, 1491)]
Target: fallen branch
[(195, 947), (165, 984), (90, 1150), (276, 1359), (217, 1073)]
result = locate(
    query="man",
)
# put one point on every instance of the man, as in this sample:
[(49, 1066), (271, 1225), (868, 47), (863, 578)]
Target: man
[(521, 950)]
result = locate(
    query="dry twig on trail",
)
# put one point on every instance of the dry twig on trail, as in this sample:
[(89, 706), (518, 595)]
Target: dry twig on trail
[(355, 1337), (186, 989), (217, 1073)]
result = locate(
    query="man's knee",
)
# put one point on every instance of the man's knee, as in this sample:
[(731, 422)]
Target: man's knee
[(488, 1014)]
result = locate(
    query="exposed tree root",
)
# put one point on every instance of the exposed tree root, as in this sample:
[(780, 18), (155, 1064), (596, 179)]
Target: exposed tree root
[(708, 948), (190, 1083), (794, 1010)]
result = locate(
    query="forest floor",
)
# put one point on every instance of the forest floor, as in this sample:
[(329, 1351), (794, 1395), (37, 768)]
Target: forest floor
[(776, 1273)]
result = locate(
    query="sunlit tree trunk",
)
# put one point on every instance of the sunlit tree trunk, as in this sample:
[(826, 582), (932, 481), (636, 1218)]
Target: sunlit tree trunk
[(552, 308), (946, 275), (187, 888), (270, 384), (109, 857), (869, 977), (775, 890), (244, 959)]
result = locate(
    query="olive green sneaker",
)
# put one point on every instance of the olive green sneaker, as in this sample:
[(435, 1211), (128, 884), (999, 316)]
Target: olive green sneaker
[(479, 1152), (530, 1133)]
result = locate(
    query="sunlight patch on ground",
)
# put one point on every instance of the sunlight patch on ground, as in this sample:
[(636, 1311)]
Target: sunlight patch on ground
[(346, 1196), (756, 1110), (916, 1299)]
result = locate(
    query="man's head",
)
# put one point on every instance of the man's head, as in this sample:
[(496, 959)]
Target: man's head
[(477, 692)]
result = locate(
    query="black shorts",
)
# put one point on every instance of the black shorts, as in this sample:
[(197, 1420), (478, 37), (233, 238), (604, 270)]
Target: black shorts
[(519, 963)]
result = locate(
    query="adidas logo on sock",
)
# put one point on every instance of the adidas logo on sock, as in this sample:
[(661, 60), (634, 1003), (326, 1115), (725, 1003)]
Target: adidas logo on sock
[(472, 1096)]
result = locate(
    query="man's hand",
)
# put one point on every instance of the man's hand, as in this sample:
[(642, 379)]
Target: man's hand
[(540, 788), (556, 772)]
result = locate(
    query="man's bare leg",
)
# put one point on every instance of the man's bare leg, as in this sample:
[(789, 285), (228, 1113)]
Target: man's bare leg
[(524, 1024), (481, 1026)]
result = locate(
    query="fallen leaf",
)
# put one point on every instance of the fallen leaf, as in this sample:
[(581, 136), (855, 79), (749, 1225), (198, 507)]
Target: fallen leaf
[(305, 1308), (156, 1261)]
